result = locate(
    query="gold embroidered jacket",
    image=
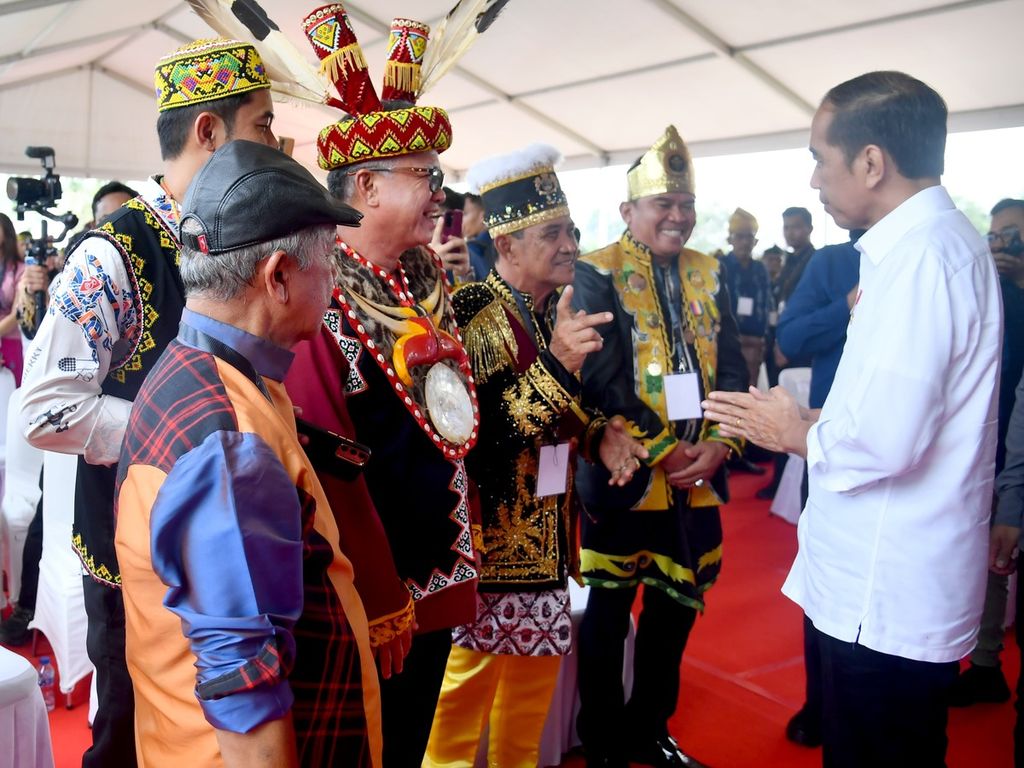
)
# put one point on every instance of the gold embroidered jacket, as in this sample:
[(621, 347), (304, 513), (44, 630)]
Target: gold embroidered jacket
[(627, 375), (527, 400)]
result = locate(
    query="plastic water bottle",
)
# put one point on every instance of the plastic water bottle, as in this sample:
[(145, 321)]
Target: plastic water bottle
[(46, 675)]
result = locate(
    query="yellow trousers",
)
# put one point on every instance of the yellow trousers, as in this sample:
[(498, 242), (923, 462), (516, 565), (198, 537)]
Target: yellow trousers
[(512, 693)]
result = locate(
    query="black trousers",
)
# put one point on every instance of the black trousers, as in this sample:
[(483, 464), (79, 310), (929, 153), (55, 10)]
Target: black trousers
[(880, 710), (408, 699), (1018, 728), (31, 553), (606, 722), (113, 729)]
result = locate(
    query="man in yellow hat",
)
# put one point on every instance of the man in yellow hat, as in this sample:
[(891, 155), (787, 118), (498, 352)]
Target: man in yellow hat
[(114, 309), (674, 330)]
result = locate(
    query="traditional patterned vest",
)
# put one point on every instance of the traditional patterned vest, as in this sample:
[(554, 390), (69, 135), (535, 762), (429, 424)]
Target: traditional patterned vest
[(150, 253), (416, 478), (629, 264)]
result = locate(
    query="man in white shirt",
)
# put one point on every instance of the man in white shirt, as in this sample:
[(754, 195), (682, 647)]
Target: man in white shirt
[(891, 564)]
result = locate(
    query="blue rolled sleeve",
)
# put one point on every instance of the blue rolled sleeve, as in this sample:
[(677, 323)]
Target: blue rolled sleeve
[(226, 538)]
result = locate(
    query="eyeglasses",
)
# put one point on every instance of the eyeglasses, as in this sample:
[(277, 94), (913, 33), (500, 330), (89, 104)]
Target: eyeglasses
[(433, 175), (1004, 236)]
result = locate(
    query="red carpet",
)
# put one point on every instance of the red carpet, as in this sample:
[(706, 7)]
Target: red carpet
[(742, 675)]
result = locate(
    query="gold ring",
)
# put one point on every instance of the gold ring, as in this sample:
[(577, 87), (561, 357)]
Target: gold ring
[(637, 462)]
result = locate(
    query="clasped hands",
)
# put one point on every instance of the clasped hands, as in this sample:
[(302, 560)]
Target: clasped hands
[(772, 420)]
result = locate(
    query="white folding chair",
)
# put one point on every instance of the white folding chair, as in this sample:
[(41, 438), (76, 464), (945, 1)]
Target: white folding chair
[(60, 605), (786, 504), (21, 492)]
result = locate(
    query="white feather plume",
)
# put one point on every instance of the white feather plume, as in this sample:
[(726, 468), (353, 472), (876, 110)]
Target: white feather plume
[(291, 74), (511, 165), (455, 35)]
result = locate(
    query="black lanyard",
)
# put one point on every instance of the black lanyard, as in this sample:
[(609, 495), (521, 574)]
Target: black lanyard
[(669, 277), (206, 343)]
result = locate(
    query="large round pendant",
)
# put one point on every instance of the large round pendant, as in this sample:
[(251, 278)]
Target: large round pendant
[(449, 404)]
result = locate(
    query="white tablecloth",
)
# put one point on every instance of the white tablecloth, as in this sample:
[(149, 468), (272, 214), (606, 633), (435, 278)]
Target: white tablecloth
[(24, 726)]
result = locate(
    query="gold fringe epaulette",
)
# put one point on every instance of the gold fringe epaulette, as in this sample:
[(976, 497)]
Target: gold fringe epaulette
[(486, 331)]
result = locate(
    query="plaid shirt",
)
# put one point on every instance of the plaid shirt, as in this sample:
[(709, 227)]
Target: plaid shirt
[(237, 556)]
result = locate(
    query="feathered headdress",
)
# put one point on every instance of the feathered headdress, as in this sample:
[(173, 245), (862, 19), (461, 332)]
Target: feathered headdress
[(369, 130)]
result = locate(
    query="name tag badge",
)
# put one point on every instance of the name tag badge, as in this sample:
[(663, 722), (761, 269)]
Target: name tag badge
[(745, 306), (773, 319), (682, 395), (553, 470)]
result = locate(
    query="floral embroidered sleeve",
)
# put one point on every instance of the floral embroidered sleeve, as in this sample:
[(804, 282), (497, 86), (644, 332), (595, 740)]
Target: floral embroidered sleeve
[(63, 407)]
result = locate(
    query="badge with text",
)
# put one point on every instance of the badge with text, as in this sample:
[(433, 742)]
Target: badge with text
[(745, 306), (682, 395), (553, 470)]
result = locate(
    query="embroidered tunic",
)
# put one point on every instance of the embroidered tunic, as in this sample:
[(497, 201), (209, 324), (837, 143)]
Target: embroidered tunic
[(527, 399), (112, 311), (416, 479), (647, 531)]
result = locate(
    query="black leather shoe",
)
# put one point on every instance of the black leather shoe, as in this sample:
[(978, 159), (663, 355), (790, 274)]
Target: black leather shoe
[(803, 731), (979, 685), (14, 630), (663, 753), (766, 494)]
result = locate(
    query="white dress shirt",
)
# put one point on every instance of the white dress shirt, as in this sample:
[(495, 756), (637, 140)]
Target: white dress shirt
[(90, 321), (894, 538)]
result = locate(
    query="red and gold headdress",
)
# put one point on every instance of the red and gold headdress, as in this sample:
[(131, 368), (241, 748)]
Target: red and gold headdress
[(369, 130)]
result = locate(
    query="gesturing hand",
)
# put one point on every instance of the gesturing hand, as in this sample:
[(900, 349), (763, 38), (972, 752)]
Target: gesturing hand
[(574, 336), (619, 452)]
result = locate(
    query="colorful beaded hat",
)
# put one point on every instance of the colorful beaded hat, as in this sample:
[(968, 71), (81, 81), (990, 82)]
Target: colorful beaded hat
[(665, 167), (207, 70), (369, 130), (519, 189)]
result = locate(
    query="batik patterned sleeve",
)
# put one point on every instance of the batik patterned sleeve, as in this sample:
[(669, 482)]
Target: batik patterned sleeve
[(226, 534), (90, 314)]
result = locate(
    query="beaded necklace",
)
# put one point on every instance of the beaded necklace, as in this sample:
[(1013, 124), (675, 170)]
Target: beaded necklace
[(414, 313)]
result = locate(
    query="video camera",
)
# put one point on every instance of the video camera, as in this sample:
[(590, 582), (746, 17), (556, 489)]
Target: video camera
[(40, 195)]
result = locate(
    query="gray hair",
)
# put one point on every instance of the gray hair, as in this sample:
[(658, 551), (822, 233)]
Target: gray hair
[(341, 182), (225, 276)]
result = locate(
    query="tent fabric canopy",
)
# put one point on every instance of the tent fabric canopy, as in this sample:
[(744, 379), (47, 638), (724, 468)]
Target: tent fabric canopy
[(598, 79)]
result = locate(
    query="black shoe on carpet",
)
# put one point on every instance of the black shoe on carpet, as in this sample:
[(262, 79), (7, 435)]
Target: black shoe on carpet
[(14, 629), (801, 729), (663, 753), (978, 685), (767, 493)]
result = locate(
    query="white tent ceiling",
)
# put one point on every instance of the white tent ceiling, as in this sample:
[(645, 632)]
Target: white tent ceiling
[(599, 79)]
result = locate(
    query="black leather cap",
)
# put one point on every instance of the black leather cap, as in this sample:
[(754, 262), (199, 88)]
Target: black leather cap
[(249, 193)]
